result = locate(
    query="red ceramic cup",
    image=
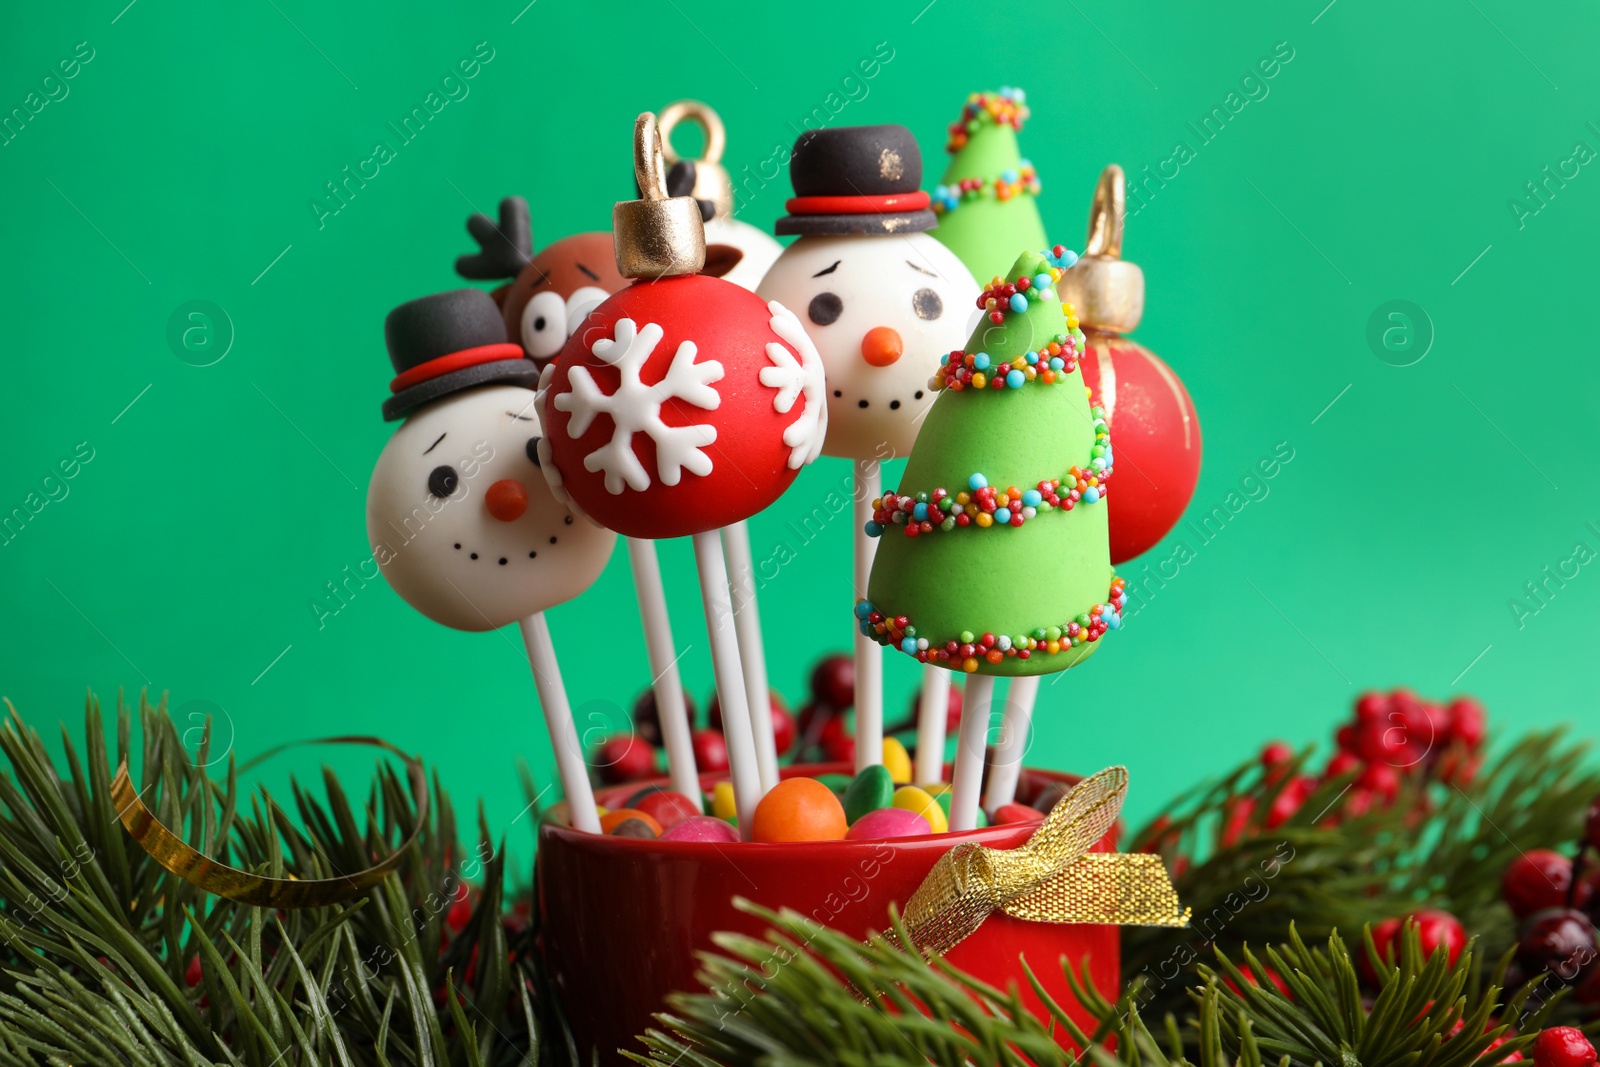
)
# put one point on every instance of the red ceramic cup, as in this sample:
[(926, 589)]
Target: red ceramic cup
[(622, 919)]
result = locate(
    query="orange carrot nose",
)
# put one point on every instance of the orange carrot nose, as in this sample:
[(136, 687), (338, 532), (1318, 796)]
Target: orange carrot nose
[(881, 346), (506, 500)]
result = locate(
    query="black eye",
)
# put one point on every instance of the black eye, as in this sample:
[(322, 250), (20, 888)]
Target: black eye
[(825, 308), (443, 481), (533, 450), (539, 324), (927, 305)]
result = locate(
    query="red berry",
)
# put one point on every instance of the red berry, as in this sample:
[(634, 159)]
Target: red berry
[(192, 975), (625, 758), (1468, 723), (1345, 737), (1560, 940), (1236, 819), (838, 745), (1275, 753), (1536, 880), (1342, 764), (1436, 929), (812, 718), (1563, 1046), (1289, 800), (1371, 706), (833, 681), (647, 719), (710, 751), (783, 728), (1250, 979), (1381, 780)]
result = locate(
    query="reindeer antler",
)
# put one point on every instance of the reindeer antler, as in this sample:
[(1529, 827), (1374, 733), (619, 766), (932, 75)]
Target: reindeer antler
[(505, 249)]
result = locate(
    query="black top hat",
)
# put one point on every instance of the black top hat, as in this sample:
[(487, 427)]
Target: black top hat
[(856, 179), (447, 342)]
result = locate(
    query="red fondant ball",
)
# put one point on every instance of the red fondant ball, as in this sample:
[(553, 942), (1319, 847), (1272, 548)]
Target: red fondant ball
[(1155, 435), (625, 758), (710, 750), (659, 418)]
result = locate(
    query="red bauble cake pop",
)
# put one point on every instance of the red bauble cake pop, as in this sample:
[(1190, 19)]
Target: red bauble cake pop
[(1148, 410), (681, 405)]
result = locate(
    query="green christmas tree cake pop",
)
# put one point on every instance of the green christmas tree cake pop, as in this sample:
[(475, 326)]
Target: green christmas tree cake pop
[(985, 201), (995, 556)]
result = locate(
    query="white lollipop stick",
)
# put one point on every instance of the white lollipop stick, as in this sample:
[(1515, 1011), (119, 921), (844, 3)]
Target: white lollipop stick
[(1005, 766), (752, 652), (967, 778), (671, 712), (933, 711), (869, 654), (558, 720), (730, 678)]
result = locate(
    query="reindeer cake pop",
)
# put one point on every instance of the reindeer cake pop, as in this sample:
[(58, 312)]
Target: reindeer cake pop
[(461, 521), (549, 292), (883, 301)]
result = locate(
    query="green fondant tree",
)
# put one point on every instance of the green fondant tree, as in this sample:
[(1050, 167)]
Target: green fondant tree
[(986, 220), (1025, 585)]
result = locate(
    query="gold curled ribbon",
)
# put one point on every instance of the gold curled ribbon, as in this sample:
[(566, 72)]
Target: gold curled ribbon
[(1051, 877), (244, 887)]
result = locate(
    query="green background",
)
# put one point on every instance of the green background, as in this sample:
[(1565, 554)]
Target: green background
[(1379, 166)]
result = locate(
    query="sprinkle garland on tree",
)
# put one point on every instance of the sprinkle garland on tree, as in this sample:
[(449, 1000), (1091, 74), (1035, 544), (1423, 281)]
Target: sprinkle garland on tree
[(985, 200)]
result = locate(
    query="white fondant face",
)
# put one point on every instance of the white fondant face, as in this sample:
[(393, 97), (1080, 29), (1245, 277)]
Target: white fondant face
[(462, 523), (756, 247), (863, 299)]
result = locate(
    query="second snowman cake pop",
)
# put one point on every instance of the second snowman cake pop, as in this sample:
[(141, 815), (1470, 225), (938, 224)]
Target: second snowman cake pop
[(461, 521), (883, 301)]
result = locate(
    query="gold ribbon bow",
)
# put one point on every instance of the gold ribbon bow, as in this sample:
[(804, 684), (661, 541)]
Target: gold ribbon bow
[(1052, 877)]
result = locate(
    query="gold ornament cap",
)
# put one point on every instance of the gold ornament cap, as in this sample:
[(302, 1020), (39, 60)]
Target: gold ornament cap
[(711, 181), (658, 236), (1106, 290)]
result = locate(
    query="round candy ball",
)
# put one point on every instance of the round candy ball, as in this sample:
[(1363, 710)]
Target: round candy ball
[(701, 828), (680, 406), (667, 807), (799, 809), (888, 822), (629, 822), (920, 802)]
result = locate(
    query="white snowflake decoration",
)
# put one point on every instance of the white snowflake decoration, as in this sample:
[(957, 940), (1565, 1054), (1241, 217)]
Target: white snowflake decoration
[(636, 408), (794, 379)]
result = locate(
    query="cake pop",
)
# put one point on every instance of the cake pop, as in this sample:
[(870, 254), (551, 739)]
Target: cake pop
[(1012, 465), (683, 404), (883, 300), (461, 521), (549, 292)]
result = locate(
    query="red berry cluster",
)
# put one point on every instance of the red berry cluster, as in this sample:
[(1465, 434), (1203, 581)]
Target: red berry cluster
[(631, 757), (1557, 900), (1397, 737)]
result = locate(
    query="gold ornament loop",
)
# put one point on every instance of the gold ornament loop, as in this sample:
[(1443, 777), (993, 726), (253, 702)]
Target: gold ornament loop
[(1106, 214), (1051, 877), (244, 887), (649, 168), (701, 115)]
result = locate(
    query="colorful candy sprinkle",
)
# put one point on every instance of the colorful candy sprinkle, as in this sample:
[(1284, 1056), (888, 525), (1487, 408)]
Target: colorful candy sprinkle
[(967, 650)]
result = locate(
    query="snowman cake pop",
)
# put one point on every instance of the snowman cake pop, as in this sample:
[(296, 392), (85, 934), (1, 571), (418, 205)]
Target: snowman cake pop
[(462, 522), (883, 300)]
